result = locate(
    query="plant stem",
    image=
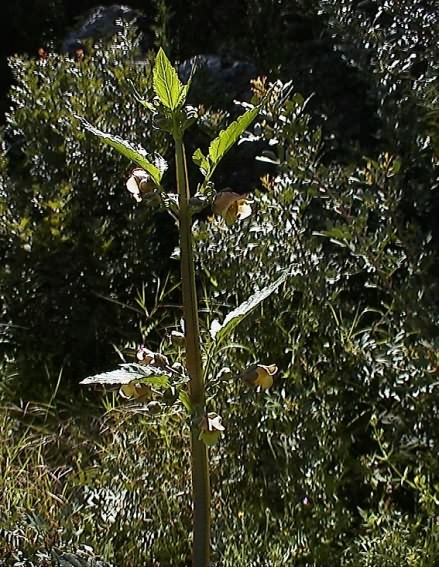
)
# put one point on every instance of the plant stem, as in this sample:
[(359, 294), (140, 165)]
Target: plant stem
[(200, 465)]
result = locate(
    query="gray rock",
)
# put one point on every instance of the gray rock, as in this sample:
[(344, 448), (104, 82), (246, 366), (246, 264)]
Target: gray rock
[(218, 77), (102, 22)]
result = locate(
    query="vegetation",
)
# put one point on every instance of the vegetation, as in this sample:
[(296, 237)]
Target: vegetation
[(335, 465)]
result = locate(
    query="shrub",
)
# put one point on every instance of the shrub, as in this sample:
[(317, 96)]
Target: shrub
[(75, 254), (353, 423)]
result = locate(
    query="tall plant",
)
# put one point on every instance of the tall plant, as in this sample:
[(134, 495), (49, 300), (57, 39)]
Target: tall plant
[(193, 384)]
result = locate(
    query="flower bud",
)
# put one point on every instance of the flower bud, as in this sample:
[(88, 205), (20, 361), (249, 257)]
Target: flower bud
[(224, 374), (152, 199), (135, 391), (197, 203), (145, 356), (177, 338), (259, 375), (189, 117), (154, 407), (210, 429), (162, 122), (160, 360), (140, 183), (231, 206)]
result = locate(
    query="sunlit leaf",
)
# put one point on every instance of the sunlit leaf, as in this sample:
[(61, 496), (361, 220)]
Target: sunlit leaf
[(224, 141), (167, 85), (135, 153), (201, 160), (219, 332), (130, 373), (228, 137)]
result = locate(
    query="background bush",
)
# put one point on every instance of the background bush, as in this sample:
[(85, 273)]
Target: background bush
[(75, 248), (350, 435), (337, 465)]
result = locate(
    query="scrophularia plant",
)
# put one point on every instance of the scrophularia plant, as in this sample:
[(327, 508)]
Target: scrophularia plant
[(152, 376)]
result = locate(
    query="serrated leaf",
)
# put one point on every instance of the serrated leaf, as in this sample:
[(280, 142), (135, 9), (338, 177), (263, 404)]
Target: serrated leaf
[(223, 142), (137, 154), (237, 315), (228, 137), (167, 85), (128, 373)]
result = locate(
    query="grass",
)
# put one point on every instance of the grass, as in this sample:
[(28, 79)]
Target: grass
[(71, 478), (90, 482)]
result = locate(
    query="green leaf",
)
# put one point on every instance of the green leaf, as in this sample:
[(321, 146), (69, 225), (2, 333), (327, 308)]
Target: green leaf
[(201, 160), (137, 154), (233, 319), (186, 401), (167, 85), (128, 373), (228, 137), (224, 141)]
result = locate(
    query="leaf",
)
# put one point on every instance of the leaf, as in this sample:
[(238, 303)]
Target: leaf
[(137, 154), (186, 401), (201, 160), (224, 141), (218, 332), (128, 373), (167, 85), (228, 137), (148, 105)]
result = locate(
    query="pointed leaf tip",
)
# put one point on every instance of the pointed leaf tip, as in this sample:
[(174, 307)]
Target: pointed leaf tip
[(135, 153), (218, 332), (167, 86)]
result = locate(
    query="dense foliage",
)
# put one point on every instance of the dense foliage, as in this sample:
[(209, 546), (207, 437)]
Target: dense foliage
[(75, 249), (338, 464), (352, 426)]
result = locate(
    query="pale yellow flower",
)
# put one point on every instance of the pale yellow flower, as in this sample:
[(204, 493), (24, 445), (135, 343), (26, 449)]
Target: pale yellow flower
[(210, 429), (135, 391), (260, 375), (231, 206), (140, 183)]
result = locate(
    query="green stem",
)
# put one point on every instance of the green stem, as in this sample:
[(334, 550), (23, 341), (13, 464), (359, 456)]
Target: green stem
[(200, 465)]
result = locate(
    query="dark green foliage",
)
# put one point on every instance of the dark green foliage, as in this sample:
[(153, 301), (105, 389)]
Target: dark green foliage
[(337, 465), (353, 422), (71, 234)]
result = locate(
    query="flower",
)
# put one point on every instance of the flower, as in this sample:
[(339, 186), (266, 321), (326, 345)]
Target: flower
[(140, 183), (210, 429), (231, 206), (260, 375), (146, 356), (135, 391)]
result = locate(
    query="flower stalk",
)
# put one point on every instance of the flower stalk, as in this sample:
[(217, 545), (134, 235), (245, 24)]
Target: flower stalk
[(140, 381), (199, 460)]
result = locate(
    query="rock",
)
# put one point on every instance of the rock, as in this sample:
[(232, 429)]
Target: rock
[(102, 22), (218, 78)]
